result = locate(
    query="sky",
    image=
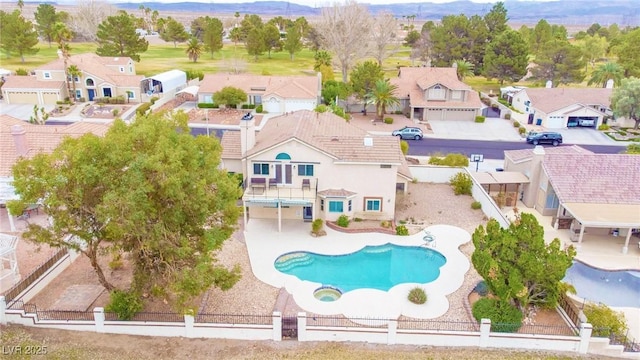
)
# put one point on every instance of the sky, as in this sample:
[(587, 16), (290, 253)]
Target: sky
[(313, 3)]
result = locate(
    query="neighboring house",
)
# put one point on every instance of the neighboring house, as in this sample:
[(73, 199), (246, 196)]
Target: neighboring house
[(306, 165), (276, 94), (595, 191), (101, 76), (557, 108), (19, 139), (168, 82), (431, 93)]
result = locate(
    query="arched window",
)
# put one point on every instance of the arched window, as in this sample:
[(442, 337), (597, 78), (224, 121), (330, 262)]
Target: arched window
[(89, 82), (283, 156)]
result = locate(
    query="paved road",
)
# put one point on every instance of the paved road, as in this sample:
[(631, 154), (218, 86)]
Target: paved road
[(490, 149)]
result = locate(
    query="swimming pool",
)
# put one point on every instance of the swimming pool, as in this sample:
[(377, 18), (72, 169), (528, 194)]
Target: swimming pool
[(373, 267), (613, 288)]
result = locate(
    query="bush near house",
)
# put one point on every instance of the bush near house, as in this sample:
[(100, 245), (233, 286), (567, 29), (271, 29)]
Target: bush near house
[(605, 321), (504, 316), (388, 120), (417, 296), (125, 304), (460, 160), (402, 230), (142, 109), (207, 106), (480, 119), (461, 184), (343, 221), (259, 109), (516, 124)]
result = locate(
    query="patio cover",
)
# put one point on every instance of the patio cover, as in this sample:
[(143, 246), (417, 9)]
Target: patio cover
[(501, 177), (193, 90), (605, 215)]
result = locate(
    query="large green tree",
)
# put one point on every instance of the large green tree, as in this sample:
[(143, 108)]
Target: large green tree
[(507, 57), (540, 35), (334, 90), (254, 43), (18, 36), (560, 62), (459, 37), (173, 31), (363, 77), (605, 72), (517, 265), (271, 38), (625, 100), (194, 49), (496, 20), (117, 37), (213, 34), (383, 96), (46, 16), (148, 190), (628, 52), (293, 42)]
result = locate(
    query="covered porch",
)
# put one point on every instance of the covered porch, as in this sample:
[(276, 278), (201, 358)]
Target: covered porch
[(502, 186)]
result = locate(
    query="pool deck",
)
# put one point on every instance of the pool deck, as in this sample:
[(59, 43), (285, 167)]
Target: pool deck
[(265, 244)]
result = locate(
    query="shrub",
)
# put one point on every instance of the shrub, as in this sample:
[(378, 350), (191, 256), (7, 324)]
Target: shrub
[(603, 127), (481, 288), (207, 106), (321, 108), (516, 124), (248, 106), (402, 230), (404, 147), (461, 184), (507, 116), (316, 225), (522, 130), (605, 321), (480, 119), (22, 72), (398, 112), (476, 205), (192, 74), (259, 109), (388, 120), (82, 99), (153, 100), (385, 224), (142, 109), (343, 221), (126, 304), (417, 296), (450, 160), (357, 219), (504, 316), (115, 112)]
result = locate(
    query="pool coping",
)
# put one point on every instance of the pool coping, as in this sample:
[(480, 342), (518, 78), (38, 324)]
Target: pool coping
[(265, 245)]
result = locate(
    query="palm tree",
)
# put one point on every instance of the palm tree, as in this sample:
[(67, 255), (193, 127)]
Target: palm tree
[(73, 72), (62, 35), (194, 49), (463, 68), (607, 71), (383, 96)]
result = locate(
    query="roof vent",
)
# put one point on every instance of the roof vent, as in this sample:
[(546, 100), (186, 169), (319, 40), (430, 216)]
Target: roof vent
[(116, 59), (334, 139), (368, 141)]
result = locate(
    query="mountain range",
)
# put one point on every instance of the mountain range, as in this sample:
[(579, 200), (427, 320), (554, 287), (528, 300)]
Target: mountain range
[(568, 12)]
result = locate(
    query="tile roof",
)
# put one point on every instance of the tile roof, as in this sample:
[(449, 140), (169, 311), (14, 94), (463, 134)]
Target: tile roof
[(340, 193), (552, 99), (413, 81), (103, 67), (594, 178), (328, 133), (283, 86), (30, 82), (39, 138), (521, 155)]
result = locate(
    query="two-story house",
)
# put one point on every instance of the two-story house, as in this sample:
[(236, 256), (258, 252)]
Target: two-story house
[(306, 165), (557, 108), (431, 93), (276, 94), (100, 76)]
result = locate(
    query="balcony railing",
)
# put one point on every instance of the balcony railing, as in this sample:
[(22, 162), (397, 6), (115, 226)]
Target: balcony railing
[(266, 189)]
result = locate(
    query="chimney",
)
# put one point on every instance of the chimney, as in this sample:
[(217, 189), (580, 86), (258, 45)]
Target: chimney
[(549, 84), (609, 84), (535, 168), (247, 133), (20, 139)]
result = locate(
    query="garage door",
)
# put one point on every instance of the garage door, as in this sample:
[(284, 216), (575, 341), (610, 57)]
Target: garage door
[(294, 105), (50, 98), (271, 105), (456, 114), (22, 98), (434, 114), (555, 122), (582, 121)]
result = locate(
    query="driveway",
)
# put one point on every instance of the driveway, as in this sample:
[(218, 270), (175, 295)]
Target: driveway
[(584, 136), (20, 111), (494, 129)]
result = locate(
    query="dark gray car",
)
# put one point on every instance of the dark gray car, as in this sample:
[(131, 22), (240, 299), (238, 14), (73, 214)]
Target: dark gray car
[(552, 138)]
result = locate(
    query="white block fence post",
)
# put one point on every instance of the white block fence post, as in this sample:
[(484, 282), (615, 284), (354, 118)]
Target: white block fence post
[(98, 317), (189, 320), (3, 310), (485, 329), (302, 326), (392, 329), (585, 335), (277, 326)]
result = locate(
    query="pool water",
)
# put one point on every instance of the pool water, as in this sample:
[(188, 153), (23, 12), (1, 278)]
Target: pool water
[(374, 267), (613, 288)]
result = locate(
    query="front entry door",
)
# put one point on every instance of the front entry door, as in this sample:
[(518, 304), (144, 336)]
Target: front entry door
[(92, 94), (307, 213), (283, 178)]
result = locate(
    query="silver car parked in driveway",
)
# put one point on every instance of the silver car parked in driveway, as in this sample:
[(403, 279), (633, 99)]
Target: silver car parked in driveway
[(408, 133)]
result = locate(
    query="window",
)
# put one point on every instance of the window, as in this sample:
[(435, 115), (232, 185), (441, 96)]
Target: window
[(261, 169), (78, 94), (89, 82), (385, 166), (47, 75), (131, 94), (349, 206), (373, 204), (305, 170), (283, 156), (121, 69), (336, 206), (131, 69), (76, 79), (436, 92), (321, 204), (552, 200), (456, 95)]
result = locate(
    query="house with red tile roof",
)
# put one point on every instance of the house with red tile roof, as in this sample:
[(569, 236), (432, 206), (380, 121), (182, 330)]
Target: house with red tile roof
[(595, 191), (276, 94), (558, 108), (101, 76), (432, 93), (306, 165)]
